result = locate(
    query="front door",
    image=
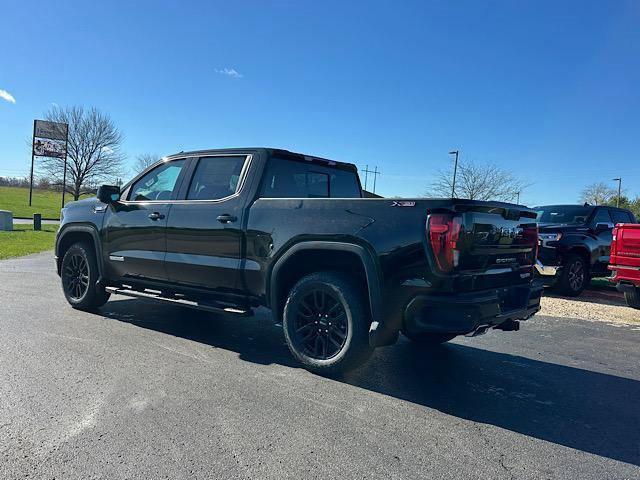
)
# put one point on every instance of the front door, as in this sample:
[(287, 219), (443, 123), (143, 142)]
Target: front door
[(204, 230), (136, 225)]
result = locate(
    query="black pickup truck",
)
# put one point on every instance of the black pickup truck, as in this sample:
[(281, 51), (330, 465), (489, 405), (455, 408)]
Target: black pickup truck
[(575, 243), (231, 230)]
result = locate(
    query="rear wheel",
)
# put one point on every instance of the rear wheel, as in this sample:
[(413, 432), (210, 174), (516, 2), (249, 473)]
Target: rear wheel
[(79, 275), (326, 323), (574, 277), (633, 298), (429, 339)]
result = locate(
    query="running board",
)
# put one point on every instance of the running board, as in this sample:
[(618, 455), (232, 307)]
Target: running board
[(151, 294)]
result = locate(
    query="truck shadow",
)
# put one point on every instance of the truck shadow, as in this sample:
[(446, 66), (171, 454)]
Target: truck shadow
[(588, 411)]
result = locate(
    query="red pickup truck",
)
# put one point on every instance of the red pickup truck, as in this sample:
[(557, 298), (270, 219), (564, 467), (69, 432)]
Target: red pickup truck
[(625, 261)]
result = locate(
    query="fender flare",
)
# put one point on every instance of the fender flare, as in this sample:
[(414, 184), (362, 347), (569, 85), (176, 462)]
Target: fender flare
[(374, 279), (81, 228)]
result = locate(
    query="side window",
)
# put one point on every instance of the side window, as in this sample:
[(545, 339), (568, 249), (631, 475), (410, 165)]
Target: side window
[(158, 184), (601, 216), (620, 216), (292, 179), (216, 178)]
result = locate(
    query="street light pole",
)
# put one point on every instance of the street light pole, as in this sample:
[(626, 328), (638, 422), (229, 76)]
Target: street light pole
[(455, 171), (619, 180)]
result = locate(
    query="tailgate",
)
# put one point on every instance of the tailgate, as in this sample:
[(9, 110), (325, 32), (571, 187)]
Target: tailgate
[(495, 240), (626, 249)]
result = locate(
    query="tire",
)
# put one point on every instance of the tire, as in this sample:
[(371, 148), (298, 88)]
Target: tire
[(332, 303), (633, 298), (79, 275), (429, 339), (574, 277)]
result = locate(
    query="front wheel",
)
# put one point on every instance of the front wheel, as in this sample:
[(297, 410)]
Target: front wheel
[(633, 298), (79, 275), (574, 277), (326, 323)]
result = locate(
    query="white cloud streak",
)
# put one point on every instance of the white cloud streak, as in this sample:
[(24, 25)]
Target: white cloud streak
[(7, 96), (229, 72)]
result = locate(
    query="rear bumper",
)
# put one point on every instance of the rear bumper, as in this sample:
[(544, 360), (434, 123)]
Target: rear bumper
[(471, 312)]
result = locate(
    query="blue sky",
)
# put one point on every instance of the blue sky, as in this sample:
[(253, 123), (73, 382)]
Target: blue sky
[(550, 89)]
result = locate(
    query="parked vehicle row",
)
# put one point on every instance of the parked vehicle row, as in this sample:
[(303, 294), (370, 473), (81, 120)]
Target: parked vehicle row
[(231, 230), (575, 243)]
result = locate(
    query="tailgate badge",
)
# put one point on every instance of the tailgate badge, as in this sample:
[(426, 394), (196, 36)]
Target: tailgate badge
[(403, 203)]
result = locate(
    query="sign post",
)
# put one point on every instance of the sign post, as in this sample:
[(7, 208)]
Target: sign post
[(50, 139)]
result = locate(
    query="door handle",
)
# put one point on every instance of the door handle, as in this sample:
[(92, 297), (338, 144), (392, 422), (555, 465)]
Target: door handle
[(226, 218), (156, 216)]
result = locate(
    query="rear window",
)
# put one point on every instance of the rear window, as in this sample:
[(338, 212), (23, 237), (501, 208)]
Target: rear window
[(292, 179), (620, 216)]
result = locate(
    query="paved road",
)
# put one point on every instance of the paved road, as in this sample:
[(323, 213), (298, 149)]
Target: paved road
[(148, 391)]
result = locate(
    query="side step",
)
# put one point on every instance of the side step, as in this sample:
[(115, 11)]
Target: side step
[(156, 295)]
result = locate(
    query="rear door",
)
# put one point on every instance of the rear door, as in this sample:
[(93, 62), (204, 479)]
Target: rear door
[(204, 235), (136, 225)]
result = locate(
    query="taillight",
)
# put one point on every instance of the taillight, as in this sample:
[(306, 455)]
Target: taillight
[(530, 236), (614, 241), (443, 231)]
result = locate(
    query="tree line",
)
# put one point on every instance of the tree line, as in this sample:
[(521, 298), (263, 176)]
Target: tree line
[(94, 156)]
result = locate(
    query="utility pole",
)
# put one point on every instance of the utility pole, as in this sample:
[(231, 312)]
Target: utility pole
[(619, 180), (33, 140), (455, 171), (366, 171), (518, 197), (375, 173)]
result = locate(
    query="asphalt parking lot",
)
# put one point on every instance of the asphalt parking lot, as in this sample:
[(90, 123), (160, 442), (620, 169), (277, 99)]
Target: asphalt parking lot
[(141, 390)]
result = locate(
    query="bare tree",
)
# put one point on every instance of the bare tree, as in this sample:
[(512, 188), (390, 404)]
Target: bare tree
[(93, 154), (598, 194), (145, 160), (477, 182)]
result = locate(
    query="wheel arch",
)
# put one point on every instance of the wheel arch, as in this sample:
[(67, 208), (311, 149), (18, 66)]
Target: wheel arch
[(340, 256), (583, 251), (71, 234)]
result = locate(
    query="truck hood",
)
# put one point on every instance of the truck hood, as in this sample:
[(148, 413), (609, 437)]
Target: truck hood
[(560, 228)]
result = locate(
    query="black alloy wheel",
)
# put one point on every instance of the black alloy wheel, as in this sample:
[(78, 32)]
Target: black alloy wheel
[(75, 276), (326, 323), (576, 276), (320, 324)]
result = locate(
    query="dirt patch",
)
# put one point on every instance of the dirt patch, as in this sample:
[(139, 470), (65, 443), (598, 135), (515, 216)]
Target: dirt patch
[(594, 305)]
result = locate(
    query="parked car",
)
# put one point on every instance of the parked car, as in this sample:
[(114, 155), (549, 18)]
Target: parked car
[(575, 243), (625, 261), (231, 230)]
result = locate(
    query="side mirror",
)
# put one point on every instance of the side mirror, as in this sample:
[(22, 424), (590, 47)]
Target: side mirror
[(108, 193), (601, 227)]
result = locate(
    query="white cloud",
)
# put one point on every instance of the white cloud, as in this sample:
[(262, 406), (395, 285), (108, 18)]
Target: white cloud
[(229, 72), (7, 96)]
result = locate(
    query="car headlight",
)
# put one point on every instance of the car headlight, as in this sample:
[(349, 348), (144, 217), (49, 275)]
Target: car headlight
[(550, 237), (547, 238)]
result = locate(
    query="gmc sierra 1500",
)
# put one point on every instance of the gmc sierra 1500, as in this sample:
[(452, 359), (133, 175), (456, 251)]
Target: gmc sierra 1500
[(230, 230)]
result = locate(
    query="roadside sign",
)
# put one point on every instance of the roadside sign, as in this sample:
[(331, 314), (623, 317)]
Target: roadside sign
[(49, 140), (50, 130)]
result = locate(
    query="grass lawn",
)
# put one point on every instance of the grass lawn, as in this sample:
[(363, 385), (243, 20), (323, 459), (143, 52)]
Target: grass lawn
[(23, 240), (45, 202)]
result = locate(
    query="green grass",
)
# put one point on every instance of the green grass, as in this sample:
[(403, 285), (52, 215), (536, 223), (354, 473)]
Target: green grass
[(23, 240), (45, 202)]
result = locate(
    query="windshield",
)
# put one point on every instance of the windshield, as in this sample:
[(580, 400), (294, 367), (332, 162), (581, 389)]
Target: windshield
[(564, 214)]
